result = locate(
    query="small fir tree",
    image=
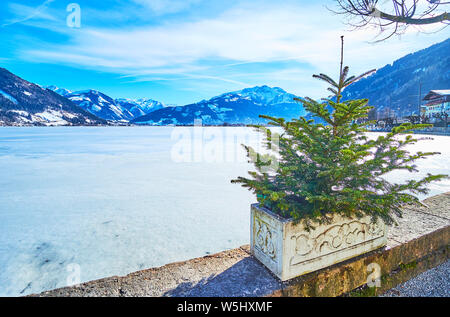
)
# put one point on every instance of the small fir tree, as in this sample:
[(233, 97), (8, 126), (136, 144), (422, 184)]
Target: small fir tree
[(333, 167)]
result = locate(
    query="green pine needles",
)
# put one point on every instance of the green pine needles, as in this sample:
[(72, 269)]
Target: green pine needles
[(334, 167)]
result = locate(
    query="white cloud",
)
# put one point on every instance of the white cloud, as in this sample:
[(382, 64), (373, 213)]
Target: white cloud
[(160, 7), (308, 34), (240, 35), (23, 13)]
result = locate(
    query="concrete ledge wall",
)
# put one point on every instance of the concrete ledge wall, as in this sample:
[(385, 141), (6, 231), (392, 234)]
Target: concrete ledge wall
[(419, 242)]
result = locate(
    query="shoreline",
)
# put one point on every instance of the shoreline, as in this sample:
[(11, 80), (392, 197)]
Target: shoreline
[(415, 132), (422, 238)]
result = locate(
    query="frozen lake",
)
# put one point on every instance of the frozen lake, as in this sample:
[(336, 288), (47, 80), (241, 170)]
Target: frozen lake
[(78, 204)]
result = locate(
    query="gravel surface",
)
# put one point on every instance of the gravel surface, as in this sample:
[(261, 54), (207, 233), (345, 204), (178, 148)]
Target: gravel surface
[(432, 283)]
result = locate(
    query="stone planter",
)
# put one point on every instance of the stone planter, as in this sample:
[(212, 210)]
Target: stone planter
[(289, 251)]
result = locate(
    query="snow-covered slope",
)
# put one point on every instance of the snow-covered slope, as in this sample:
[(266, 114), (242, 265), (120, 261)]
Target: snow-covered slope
[(239, 107), (24, 103), (100, 104), (140, 107), (397, 86)]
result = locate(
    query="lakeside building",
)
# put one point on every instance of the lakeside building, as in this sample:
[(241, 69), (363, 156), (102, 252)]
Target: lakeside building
[(438, 104)]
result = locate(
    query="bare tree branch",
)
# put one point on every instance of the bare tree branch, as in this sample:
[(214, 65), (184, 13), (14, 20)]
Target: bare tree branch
[(394, 16)]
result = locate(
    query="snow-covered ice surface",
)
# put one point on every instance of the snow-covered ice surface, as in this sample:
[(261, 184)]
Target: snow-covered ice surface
[(112, 200)]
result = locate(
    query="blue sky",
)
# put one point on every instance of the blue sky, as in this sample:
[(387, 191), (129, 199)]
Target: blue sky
[(182, 51)]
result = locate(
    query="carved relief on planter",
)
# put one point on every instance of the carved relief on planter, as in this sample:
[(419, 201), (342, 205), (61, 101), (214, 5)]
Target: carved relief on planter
[(334, 238), (264, 238), (289, 251)]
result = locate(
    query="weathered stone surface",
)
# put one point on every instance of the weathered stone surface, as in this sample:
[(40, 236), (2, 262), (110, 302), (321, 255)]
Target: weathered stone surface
[(421, 237), (415, 223), (229, 273), (437, 205)]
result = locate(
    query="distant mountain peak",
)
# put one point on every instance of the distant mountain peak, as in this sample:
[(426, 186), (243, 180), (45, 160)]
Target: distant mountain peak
[(264, 88), (237, 107), (61, 91)]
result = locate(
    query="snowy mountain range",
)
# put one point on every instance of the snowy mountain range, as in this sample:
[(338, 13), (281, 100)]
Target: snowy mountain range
[(399, 87), (239, 107), (105, 107), (24, 103)]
